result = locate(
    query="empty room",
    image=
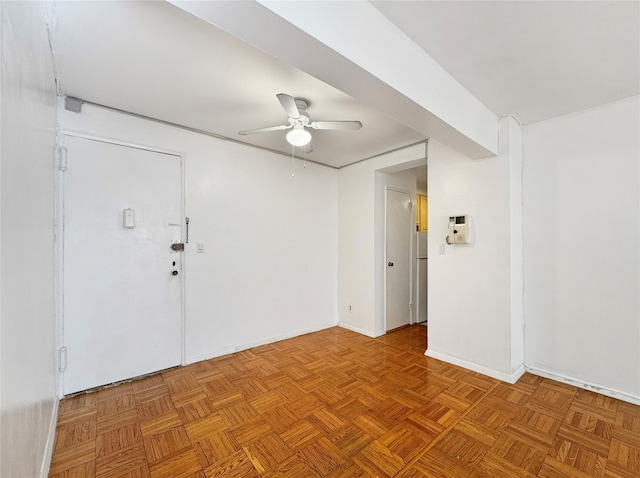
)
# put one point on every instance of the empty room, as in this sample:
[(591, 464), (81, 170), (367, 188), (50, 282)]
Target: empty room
[(320, 239)]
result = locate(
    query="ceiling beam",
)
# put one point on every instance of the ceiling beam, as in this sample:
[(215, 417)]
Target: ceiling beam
[(354, 48)]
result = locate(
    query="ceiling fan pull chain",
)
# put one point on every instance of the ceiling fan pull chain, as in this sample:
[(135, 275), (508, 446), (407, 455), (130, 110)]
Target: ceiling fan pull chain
[(293, 158)]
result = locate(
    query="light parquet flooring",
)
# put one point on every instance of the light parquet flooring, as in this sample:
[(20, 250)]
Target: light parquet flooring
[(338, 404)]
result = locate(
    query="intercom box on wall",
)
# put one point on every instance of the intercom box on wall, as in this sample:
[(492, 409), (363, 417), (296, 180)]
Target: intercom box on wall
[(458, 230)]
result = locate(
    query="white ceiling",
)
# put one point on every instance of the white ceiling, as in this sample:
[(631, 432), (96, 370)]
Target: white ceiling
[(533, 59), (153, 59)]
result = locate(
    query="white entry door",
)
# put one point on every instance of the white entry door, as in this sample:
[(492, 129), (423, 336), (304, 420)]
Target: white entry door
[(398, 276), (122, 292)]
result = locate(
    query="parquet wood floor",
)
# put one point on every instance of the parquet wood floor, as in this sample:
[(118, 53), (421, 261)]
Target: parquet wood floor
[(338, 404)]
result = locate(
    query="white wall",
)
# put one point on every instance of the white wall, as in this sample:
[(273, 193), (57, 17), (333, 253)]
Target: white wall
[(361, 211), (582, 202), (269, 269), (28, 400), (471, 321)]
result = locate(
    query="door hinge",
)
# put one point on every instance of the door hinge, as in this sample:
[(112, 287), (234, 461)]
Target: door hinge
[(62, 359), (62, 158)]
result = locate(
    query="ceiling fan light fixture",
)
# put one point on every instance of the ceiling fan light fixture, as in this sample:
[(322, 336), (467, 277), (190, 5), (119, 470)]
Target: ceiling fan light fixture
[(298, 136)]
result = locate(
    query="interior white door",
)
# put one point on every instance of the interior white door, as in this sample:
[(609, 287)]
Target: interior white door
[(398, 256), (122, 302)]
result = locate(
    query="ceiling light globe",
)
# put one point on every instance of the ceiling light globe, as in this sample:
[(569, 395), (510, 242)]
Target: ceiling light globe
[(298, 136)]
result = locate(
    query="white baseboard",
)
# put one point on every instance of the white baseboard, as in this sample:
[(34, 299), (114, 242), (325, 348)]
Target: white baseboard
[(358, 330), (51, 437), (256, 343), (558, 377), (505, 377), (516, 374)]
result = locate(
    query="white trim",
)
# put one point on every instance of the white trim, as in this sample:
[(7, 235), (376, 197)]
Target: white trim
[(59, 262), (358, 330), (183, 260), (624, 396), (213, 135), (512, 377), (256, 343), (102, 139), (51, 436), (518, 373), (515, 376)]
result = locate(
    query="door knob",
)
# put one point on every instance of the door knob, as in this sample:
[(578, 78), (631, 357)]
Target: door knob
[(390, 264), (175, 273)]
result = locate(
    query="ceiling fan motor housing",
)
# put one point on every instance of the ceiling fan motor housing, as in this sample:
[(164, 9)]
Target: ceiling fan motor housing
[(303, 117), (301, 103)]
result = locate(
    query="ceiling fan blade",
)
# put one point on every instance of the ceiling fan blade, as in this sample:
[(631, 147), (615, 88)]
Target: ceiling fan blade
[(343, 125), (266, 130), (288, 102), (307, 148)]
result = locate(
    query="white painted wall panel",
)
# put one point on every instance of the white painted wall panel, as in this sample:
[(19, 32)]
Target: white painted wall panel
[(469, 285), (355, 248), (28, 400), (582, 230), (270, 264), (269, 267), (473, 307)]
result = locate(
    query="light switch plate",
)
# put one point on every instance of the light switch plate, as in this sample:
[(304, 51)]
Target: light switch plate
[(200, 247), (128, 218)]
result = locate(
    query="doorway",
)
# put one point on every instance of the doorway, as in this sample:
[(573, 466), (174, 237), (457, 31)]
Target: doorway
[(121, 303), (398, 227), (422, 250)]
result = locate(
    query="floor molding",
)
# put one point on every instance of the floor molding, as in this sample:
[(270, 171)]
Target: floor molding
[(505, 377), (358, 330), (558, 377), (255, 343), (520, 371)]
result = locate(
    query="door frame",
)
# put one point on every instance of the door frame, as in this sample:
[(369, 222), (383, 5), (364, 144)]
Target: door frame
[(411, 201), (59, 239)]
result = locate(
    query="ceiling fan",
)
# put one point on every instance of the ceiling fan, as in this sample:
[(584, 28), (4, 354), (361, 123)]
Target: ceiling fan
[(296, 109)]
